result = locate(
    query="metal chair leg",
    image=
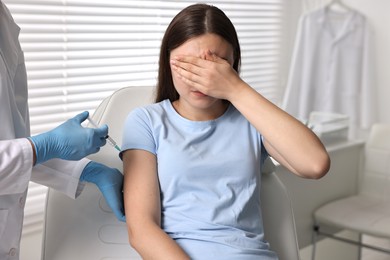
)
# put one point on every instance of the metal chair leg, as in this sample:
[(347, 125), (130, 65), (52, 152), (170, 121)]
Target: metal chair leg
[(360, 246), (314, 241)]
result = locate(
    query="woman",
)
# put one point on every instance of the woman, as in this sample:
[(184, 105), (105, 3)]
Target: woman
[(192, 160)]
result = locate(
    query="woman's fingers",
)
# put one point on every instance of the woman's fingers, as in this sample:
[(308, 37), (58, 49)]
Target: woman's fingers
[(209, 73), (186, 72)]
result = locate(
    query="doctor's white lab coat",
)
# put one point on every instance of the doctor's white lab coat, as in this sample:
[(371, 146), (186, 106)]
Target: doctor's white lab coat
[(16, 155), (332, 68)]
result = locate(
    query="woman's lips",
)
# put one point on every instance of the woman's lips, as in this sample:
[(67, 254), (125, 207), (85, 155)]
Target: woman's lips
[(198, 94)]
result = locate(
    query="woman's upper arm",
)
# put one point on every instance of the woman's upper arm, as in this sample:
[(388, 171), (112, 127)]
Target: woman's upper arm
[(141, 189), (143, 208)]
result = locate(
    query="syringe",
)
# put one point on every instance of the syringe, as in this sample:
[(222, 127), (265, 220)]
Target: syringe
[(109, 139)]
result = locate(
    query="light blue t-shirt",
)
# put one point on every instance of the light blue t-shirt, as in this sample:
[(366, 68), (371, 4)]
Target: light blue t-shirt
[(209, 174)]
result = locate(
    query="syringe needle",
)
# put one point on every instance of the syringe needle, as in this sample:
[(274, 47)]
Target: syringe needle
[(113, 143), (109, 139)]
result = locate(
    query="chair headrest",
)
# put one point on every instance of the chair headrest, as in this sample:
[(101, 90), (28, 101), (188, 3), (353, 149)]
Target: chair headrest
[(113, 112)]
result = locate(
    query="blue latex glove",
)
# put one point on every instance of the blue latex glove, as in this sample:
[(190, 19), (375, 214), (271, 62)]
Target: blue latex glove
[(69, 141), (110, 183)]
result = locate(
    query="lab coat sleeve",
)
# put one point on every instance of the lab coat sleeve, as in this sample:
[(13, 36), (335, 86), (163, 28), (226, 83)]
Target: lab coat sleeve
[(16, 171), (368, 87), (61, 175), (16, 159)]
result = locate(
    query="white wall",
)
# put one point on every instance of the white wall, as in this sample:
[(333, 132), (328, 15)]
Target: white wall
[(377, 12)]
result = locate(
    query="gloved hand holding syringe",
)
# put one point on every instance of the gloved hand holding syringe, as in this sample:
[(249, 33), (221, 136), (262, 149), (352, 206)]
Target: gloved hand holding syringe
[(109, 139)]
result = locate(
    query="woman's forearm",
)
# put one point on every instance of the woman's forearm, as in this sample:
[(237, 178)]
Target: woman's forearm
[(286, 139), (151, 242)]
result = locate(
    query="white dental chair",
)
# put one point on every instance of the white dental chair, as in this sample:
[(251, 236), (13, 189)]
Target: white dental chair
[(86, 229)]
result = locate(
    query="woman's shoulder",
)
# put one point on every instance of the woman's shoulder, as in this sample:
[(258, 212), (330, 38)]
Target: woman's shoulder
[(151, 110), (158, 107)]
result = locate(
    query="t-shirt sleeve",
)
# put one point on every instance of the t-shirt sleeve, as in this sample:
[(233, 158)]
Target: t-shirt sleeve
[(137, 132)]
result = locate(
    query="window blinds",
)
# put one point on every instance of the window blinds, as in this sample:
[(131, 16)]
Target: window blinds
[(78, 52)]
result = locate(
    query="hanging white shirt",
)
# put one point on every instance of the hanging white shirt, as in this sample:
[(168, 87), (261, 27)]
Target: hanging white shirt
[(332, 68), (16, 155)]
